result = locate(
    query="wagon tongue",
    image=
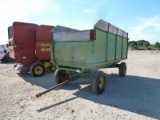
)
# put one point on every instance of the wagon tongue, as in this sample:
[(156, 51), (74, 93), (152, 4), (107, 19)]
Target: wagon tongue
[(48, 90)]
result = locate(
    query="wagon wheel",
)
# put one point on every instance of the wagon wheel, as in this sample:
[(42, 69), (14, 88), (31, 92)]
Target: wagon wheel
[(60, 76), (122, 69), (37, 69), (98, 82), (52, 68)]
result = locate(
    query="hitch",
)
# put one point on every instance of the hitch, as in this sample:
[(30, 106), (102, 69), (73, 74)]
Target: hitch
[(48, 90)]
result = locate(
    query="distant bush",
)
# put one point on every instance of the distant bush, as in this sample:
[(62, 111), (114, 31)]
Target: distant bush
[(143, 43), (139, 44), (157, 45)]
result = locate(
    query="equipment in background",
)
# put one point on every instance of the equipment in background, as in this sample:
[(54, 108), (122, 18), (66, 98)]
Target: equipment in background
[(29, 45)]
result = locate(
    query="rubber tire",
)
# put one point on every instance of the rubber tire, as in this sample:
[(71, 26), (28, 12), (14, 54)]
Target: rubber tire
[(122, 69), (96, 80), (58, 75), (32, 68), (50, 68)]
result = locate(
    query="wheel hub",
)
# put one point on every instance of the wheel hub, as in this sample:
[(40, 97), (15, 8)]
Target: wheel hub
[(53, 68), (101, 84), (38, 70)]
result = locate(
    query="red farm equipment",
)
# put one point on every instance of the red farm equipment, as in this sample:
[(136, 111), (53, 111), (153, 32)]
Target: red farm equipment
[(29, 45)]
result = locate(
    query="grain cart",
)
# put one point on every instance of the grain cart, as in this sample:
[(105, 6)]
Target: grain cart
[(80, 54), (29, 45)]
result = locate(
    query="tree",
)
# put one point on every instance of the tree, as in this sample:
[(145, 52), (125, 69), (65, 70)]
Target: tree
[(157, 45), (132, 43), (139, 43), (143, 43), (146, 44)]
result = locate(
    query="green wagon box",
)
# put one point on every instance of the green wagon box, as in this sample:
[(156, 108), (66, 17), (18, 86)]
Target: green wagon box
[(81, 53)]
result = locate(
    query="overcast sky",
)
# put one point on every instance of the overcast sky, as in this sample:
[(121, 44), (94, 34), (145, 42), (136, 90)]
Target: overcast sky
[(140, 18)]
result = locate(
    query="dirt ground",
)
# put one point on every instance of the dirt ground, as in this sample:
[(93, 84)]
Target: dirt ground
[(137, 96)]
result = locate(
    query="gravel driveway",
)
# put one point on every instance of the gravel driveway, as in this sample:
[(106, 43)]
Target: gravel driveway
[(137, 96)]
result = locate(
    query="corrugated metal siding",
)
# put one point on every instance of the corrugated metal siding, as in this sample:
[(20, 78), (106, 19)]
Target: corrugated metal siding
[(102, 25), (105, 26), (59, 28), (72, 36)]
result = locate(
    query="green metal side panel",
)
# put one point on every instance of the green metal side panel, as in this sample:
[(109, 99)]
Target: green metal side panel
[(106, 51), (119, 47), (125, 46), (87, 52), (51, 53), (111, 47), (74, 52), (99, 47)]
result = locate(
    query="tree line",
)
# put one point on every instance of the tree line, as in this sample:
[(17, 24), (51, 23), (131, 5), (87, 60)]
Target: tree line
[(143, 43)]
